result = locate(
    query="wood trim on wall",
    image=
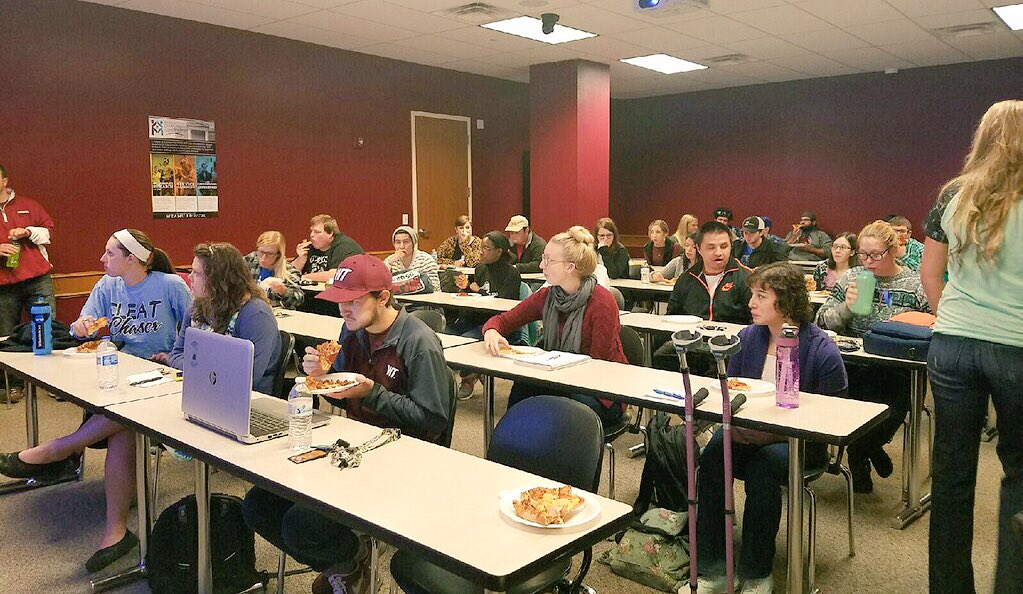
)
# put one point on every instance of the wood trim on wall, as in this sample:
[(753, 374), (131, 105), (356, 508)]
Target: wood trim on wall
[(68, 285)]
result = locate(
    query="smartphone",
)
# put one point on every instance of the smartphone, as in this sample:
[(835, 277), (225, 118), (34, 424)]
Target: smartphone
[(307, 456)]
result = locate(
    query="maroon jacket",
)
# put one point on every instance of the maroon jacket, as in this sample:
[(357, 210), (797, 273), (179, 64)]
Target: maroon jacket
[(24, 213)]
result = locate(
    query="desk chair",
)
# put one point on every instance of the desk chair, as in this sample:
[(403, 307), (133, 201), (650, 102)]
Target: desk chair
[(432, 318), (833, 466), (533, 330), (619, 298), (286, 357), (632, 344), (550, 436)]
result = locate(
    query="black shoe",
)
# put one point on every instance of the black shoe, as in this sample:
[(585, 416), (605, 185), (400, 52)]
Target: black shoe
[(860, 469), (882, 463), (108, 555), (11, 465)]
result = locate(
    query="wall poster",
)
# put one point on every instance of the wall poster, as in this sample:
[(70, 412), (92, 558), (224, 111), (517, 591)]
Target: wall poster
[(183, 166)]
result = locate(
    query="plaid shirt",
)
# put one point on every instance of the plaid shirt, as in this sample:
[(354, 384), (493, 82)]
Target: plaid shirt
[(292, 297)]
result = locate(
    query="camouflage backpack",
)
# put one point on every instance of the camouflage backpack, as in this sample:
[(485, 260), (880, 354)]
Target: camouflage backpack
[(653, 552)]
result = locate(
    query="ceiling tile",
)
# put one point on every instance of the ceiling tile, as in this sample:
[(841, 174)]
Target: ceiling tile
[(815, 65), (198, 12), (343, 23), (717, 29), (526, 7), (309, 34), (989, 47), (494, 40), (927, 52), (276, 9), (610, 48), (443, 45), (323, 3), (398, 16), (596, 20), (781, 20), (733, 6), (766, 48), (655, 16), (914, 8), (869, 58), (843, 13), (889, 32), (482, 68), (699, 54), (951, 19), (764, 71), (656, 38)]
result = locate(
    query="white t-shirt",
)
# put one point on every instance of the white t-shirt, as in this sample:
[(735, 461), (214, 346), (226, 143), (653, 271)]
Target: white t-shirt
[(770, 369), (713, 281)]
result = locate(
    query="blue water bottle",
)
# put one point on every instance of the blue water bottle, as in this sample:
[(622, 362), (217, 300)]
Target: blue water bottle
[(42, 327)]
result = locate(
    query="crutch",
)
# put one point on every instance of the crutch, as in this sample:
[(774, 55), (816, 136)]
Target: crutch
[(722, 346), (683, 341)]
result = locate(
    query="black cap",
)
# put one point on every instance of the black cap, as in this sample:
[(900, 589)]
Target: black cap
[(723, 212), (809, 215), (754, 224)]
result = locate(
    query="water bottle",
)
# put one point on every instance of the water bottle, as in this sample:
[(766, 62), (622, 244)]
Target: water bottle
[(300, 416), (13, 259), (433, 254), (106, 364), (786, 377), (42, 327), (865, 284), (644, 274)]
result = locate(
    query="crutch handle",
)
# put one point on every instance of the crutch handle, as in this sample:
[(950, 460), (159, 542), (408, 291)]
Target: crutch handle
[(699, 396), (737, 402)]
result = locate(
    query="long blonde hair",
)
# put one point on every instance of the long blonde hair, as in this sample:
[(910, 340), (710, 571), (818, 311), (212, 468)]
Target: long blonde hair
[(991, 182), (577, 245), (682, 231), (276, 239), (881, 231)]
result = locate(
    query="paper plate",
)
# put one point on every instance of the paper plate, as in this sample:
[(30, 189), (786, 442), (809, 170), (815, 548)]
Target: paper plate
[(589, 510), (757, 387)]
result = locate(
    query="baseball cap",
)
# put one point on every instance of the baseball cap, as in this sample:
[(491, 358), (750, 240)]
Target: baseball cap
[(809, 215), (517, 223), (723, 212), (754, 224), (356, 276)]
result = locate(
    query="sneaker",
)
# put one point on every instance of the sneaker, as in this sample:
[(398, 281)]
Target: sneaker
[(717, 584), (15, 395), (466, 388), (349, 577), (759, 586)]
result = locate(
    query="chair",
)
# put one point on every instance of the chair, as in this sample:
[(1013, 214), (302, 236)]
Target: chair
[(432, 318), (833, 466), (632, 344), (287, 354), (553, 437), (532, 329), (619, 298)]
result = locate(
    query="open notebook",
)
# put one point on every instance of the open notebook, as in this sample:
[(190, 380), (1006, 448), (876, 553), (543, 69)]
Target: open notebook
[(549, 360)]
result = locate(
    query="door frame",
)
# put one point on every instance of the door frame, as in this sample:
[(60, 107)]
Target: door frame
[(468, 157)]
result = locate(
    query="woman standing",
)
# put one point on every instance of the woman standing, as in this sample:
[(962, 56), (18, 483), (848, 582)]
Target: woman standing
[(829, 271), (408, 256), (612, 253), (461, 249), (976, 227), (271, 270)]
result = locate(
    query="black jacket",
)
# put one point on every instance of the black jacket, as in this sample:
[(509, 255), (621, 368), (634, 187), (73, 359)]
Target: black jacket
[(671, 250), (503, 279), (531, 255), (617, 263), (767, 252), (340, 248), (731, 299)]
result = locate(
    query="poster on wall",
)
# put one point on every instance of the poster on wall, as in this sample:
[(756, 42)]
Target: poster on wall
[(183, 166)]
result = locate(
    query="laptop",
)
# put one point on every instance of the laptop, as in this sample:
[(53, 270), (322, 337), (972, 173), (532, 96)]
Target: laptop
[(217, 390)]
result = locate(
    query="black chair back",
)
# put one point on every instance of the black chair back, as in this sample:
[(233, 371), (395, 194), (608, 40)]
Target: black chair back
[(445, 438), (619, 298), (632, 344), (553, 437), (431, 317), (287, 352)]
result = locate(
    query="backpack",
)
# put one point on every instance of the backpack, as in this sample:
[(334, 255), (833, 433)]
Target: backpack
[(172, 557), (664, 480), (898, 339), (652, 552)]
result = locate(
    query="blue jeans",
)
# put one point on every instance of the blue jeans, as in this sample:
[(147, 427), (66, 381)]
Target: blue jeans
[(764, 469), (18, 297), (963, 373)]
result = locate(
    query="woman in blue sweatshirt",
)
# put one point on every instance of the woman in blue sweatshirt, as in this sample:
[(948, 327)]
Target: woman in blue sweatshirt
[(760, 459)]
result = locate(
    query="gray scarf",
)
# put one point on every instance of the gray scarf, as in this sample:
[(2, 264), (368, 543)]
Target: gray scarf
[(573, 304)]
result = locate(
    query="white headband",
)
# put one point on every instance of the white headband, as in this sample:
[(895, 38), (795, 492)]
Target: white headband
[(132, 245)]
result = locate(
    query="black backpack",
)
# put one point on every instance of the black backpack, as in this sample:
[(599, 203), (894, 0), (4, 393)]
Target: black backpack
[(663, 482), (172, 558)]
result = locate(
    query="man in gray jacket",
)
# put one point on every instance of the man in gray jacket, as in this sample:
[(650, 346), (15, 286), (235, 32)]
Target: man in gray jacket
[(808, 243)]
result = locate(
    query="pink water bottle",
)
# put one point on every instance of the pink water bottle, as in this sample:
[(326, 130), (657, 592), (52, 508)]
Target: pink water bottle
[(786, 378)]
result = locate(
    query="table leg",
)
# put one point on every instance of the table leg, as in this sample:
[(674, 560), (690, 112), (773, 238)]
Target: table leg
[(7, 389), (374, 566), (142, 491), (31, 415), (202, 501), (488, 411), (795, 517), (915, 502)]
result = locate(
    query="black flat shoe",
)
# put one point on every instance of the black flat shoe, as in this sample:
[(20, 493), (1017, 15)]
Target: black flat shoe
[(860, 469), (882, 463), (12, 466), (108, 555)]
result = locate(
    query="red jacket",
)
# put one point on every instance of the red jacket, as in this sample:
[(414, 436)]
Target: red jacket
[(24, 213)]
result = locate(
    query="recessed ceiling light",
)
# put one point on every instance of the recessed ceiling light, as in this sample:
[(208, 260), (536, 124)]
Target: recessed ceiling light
[(664, 63), (531, 28), (1012, 15)]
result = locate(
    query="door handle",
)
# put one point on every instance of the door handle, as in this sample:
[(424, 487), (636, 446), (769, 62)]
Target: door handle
[(424, 234)]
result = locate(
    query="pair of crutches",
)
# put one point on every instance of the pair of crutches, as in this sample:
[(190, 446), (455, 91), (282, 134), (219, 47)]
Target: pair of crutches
[(721, 346)]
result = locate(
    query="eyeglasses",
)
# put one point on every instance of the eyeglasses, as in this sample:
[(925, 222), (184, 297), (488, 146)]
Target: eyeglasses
[(840, 248), (545, 260), (875, 257), (268, 254)]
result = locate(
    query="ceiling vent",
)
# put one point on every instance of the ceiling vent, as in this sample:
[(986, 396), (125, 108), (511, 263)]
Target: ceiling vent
[(729, 59), (969, 30), (476, 13)]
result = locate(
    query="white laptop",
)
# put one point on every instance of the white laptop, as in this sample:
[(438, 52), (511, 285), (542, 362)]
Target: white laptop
[(217, 390)]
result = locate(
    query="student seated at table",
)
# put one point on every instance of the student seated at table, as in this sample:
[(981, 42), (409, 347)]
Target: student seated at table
[(579, 316), (724, 215), (273, 272), (613, 255), (840, 258), (686, 260), (716, 289), (528, 245), (687, 225), (323, 251), (760, 459), (226, 300), (145, 301), (403, 383), (898, 290), (661, 248), (911, 251), (408, 256), (806, 240), (463, 248), (754, 249)]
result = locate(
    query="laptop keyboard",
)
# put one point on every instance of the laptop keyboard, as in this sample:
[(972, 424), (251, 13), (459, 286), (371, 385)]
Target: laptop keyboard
[(261, 423)]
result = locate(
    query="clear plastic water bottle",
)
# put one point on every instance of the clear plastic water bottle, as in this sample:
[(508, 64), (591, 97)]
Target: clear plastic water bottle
[(786, 377), (865, 284), (106, 364), (42, 327), (434, 255), (300, 416), (644, 274)]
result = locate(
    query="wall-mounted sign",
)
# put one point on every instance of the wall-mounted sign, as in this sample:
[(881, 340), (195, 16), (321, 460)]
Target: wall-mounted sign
[(183, 166)]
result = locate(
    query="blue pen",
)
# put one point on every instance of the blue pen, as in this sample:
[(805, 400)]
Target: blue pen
[(670, 394)]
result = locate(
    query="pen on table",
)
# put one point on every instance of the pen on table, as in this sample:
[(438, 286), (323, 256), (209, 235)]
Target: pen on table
[(669, 394)]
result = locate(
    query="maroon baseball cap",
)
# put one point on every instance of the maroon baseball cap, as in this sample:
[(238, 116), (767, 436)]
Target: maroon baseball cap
[(356, 276)]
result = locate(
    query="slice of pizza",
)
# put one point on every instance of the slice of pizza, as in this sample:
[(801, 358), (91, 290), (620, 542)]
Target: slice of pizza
[(546, 506), (88, 347), (96, 325), (328, 352)]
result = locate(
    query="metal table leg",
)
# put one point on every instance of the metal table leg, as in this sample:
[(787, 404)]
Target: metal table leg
[(144, 519), (795, 517), (488, 411), (32, 435), (915, 502), (31, 415), (202, 501)]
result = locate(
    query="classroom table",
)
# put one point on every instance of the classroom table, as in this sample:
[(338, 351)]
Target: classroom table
[(471, 302), (316, 326), (836, 421), (443, 507)]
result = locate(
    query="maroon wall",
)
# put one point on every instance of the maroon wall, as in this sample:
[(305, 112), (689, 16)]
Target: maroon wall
[(852, 148), (80, 79)]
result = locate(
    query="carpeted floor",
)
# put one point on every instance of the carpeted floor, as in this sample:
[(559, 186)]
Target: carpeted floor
[(46, 534)]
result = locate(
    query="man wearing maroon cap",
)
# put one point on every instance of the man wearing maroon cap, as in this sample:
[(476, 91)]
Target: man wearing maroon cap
[(404, 382)]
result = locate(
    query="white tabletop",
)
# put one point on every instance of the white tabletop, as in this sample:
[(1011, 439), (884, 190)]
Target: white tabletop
[(75, 377), (533, 276), (454, 301), (818, 418), (437, 502), (312, 325), (635, 285)]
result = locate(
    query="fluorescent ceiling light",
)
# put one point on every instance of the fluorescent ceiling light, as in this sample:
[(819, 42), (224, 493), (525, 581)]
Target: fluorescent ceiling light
[(1012, 15), (663, 63), (530, 28)]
